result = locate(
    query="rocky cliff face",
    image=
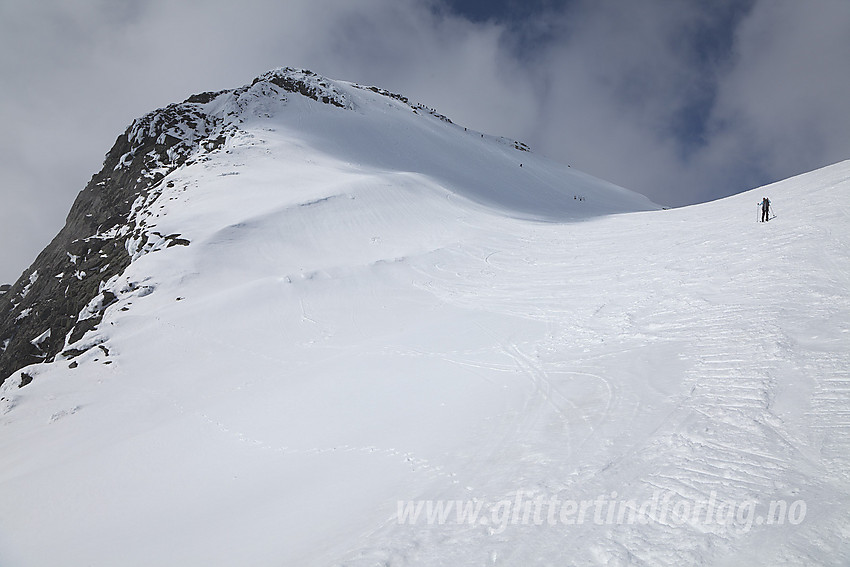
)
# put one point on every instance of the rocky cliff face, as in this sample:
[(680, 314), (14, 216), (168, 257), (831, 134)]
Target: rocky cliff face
[(62, 294)]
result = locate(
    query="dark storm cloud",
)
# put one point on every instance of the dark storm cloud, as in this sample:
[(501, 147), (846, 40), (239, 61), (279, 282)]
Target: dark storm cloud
[(683, 101)]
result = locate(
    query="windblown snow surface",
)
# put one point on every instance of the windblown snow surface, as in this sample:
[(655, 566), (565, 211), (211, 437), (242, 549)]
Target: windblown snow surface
[(380, 312)]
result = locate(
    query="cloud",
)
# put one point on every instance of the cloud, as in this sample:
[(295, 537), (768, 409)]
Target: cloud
[(687, 102), (784, 104), (630, 89), (681, 101)]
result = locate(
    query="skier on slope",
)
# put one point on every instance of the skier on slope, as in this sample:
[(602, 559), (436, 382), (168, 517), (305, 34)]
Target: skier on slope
[(765, 209)]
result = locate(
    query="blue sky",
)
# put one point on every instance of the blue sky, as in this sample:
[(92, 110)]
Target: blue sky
[(682, 101)]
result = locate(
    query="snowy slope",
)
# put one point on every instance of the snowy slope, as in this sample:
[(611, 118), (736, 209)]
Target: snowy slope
[(377, 306)]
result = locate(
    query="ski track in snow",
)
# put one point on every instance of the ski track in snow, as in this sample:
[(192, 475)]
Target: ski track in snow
[(721, 434), (369, 336)]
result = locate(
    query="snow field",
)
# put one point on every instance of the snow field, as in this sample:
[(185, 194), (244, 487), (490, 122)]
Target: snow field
[(360, 321)]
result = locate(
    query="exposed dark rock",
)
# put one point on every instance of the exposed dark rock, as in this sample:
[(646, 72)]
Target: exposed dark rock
[(73, 352), (305, 83), (385, 92), (25, 379), (204, 98), (63, 290), (417, 108), (173, 241), (92, 246)]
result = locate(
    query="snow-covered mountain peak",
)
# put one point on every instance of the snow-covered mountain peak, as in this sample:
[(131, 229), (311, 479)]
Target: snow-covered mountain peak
[(316, 137), (307, 322), (201, 122)]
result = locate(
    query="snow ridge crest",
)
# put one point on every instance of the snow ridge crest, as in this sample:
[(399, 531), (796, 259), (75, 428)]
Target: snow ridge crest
[(106, 228)]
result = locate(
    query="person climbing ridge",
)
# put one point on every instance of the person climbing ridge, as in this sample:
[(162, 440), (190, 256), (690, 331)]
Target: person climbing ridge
[(765, 209)]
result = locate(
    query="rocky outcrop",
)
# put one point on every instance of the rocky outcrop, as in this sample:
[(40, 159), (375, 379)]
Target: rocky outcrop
[(61, 295), (91, 247)]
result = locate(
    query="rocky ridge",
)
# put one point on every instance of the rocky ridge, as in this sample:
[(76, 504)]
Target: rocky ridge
[(63, 294)]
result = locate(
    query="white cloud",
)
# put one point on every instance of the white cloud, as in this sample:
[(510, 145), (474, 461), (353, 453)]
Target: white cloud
[(785, 102)]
